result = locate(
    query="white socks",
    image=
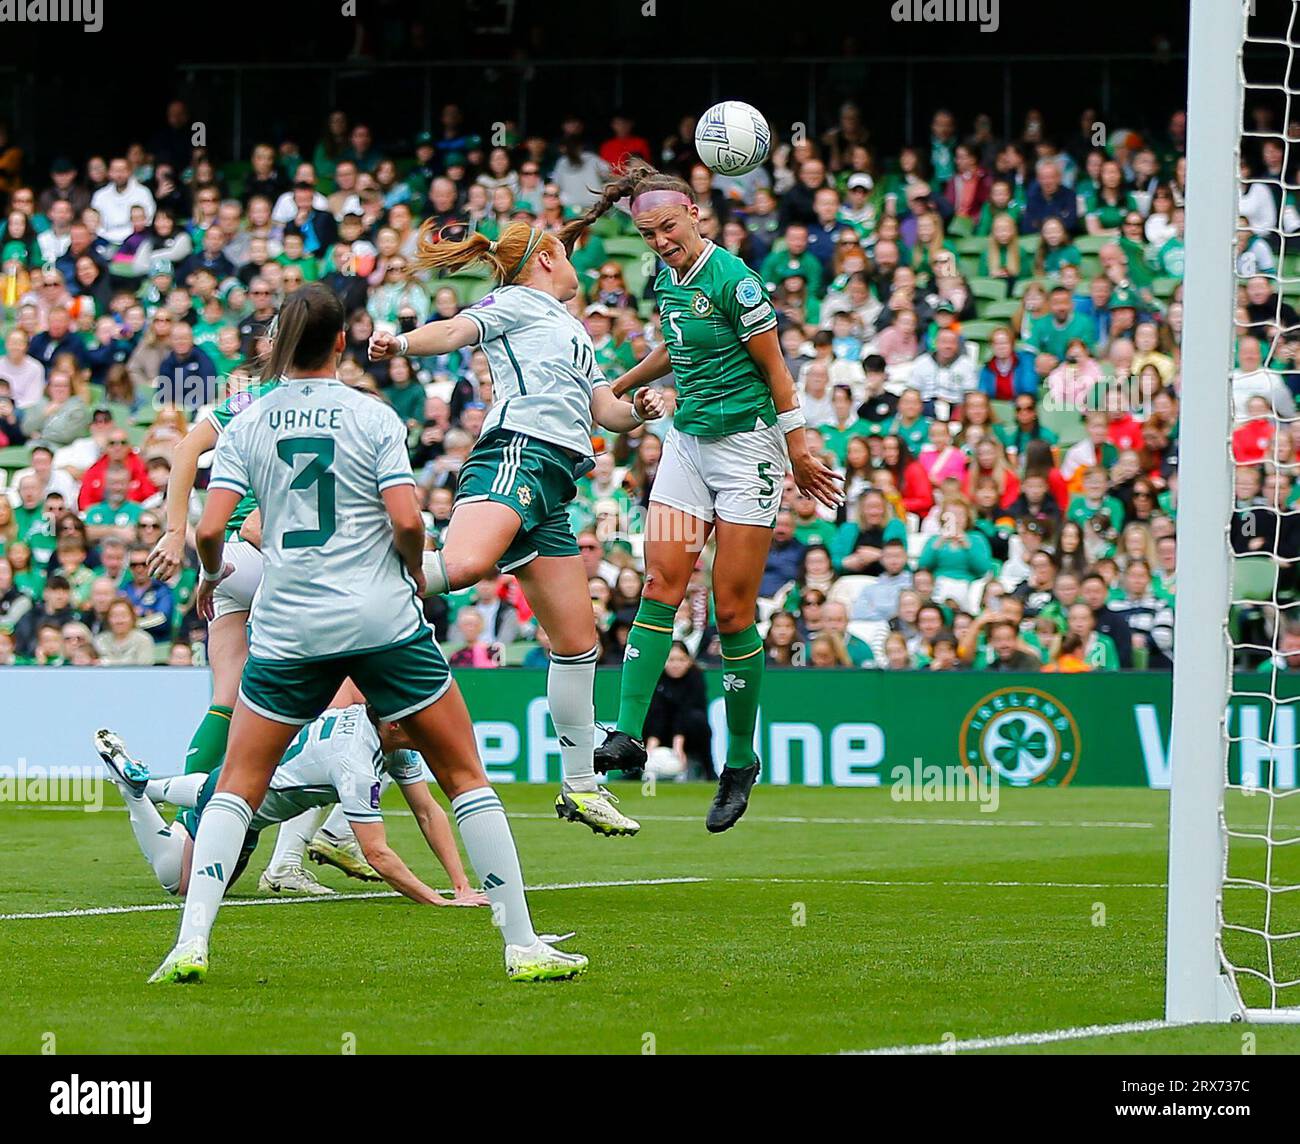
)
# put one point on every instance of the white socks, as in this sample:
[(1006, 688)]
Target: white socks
[(182, 790), (491, 849), (569, 686), (216, 851), (291, 841), (161, 849)]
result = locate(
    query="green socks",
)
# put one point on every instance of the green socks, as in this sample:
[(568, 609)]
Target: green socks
[(208, 747), (742, 680), (648, 644)]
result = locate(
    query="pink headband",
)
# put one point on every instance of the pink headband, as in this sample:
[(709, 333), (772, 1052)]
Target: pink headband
[(650, 200)]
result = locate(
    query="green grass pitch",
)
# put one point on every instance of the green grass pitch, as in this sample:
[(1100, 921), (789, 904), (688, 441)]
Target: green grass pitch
[(917, 921)]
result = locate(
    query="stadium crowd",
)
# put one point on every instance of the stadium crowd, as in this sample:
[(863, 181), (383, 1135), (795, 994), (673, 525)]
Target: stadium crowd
[(985, 334)]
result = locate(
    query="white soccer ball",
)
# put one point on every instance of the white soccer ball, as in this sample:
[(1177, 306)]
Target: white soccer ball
[(732, 138), (664, 763)]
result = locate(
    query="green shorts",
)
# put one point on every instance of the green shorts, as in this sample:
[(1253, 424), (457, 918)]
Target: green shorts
[(397, 681), (533, 477)]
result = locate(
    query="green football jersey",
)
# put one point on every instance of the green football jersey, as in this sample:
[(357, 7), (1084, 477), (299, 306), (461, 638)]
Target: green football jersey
[(221, 416), (709, 313)]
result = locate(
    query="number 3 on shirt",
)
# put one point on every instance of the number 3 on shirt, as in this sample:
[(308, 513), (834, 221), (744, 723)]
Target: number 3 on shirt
[(315, 472)]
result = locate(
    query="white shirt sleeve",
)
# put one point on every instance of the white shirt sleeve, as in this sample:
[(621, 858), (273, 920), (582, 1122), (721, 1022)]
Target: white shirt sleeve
[(392, 460), (229, 470)]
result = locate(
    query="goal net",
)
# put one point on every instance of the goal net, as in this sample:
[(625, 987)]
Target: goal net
[(1234, 859)]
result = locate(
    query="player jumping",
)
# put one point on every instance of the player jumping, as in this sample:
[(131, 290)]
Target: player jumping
[(722, 470), (514, 489)]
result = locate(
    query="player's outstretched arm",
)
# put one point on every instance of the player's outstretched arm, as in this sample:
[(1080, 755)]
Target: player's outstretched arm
[(427, 341), (388, 865), (436, 828), (650, 368), (168, 554), (620, 416)]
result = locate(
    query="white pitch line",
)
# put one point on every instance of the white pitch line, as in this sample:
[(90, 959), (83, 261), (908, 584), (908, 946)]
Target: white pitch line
[(781, 820), (889, 820), (156, 907), (973, 883), (1014, 1040)]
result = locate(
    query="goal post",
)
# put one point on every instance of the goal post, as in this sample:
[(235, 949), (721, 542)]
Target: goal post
[(1194, 990), (1233, 933)]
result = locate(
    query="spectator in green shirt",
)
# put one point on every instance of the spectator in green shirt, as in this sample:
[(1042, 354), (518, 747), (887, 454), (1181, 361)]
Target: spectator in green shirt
[(847, 424), (115, 515), (1053, 332), (404, 394), (1099, 650), (810, 528), (794, 259), (835, 621), (1094, 499)]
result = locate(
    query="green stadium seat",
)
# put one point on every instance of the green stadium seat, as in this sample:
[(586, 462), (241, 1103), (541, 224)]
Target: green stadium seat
[(969, 265), (15, 457), (1029, 243), (1092, 243), (236, 175), (970, 244), (1004, 411), (1254, 578), (122, 414), (1089, 267), (989, 289), (620, 244), (1023, 285), (979, 330), (1164, 288), (1065, 423), (515, 652), (1000, 311), (136, 434), (960, 227), (469, 287)]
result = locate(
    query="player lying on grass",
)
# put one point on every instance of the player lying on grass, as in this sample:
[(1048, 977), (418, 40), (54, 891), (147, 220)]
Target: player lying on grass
[(343, 757)]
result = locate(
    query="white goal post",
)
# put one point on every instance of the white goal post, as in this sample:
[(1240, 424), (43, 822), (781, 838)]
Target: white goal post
[(1229, 926)]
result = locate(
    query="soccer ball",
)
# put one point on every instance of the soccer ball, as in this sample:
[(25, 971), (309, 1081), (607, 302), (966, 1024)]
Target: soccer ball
[(663, 763), (732, 138)]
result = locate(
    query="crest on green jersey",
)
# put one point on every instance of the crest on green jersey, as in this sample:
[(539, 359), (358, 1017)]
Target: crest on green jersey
[(749, 292), (702, 305)]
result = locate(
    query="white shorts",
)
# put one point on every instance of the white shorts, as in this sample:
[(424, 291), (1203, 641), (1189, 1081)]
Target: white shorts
[(737, 479), (235, 593)]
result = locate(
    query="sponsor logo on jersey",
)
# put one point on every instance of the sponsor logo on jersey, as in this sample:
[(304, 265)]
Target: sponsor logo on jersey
[(486, 300), (702, 305), (524, 495), (238, 402), (1024, 735), (375, 788), (749, 292), (756, 316)]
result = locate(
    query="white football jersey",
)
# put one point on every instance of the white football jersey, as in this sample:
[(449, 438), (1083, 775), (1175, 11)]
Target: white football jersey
[(339, 754), (318, 456), (543, 366)]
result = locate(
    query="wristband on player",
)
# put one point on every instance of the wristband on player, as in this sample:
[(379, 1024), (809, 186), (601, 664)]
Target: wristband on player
[(403, 345), (636, 413), (210, 577), (790, 420)]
